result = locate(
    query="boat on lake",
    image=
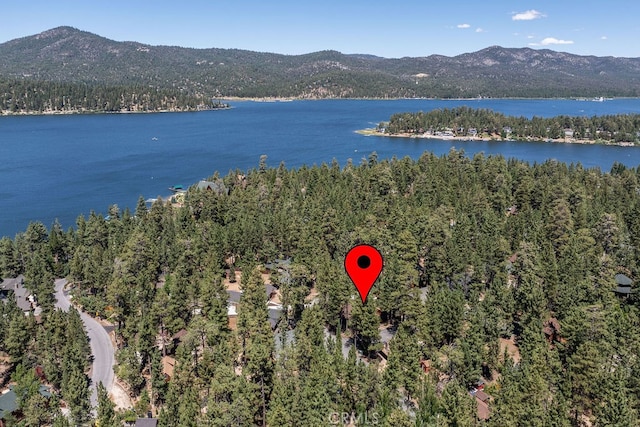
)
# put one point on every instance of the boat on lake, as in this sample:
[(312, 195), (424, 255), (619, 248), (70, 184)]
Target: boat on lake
[(178, 188)]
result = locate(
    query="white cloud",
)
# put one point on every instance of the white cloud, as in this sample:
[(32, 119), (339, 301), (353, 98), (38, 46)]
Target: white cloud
[(528, 15), (464, 26), (529, 37), (603, 38), (552, 40), (479, 30)]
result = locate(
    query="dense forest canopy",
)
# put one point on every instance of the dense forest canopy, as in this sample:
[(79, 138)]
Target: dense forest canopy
[(468, 122), (28, 96), (496, 272)]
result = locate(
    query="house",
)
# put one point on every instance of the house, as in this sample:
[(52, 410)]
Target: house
[(232, 308), (279, 265), (7, 404), (274, 317), (272, 300), (482, 402), (271, 291), (568, 133), (216, 186), (22, 296), (623, 285), (168, 367), (146, 422), (8, 401), (483, 412)]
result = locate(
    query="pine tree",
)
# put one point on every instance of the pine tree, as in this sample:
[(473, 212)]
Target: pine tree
[(403, 369), (106, 416), (75, 391), (459, 409), (364, 324), (17, 336), (214, 302), (158, 381)]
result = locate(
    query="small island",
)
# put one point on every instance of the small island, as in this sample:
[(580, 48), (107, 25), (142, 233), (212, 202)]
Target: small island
[(469, 124)]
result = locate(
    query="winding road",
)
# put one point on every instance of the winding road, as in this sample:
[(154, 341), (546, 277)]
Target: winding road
[(101, 347)]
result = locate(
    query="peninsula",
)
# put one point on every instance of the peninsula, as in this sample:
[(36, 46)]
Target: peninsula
[(468, 124), (20, 97)]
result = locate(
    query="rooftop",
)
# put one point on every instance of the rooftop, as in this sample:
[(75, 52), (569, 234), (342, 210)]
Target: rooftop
[(21, 294), (146, 422)]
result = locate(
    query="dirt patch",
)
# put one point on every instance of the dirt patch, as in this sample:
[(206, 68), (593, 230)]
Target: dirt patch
[(233, 286), (313, 293), (237, 285), (512, 349), (120, 397), (266, 278)]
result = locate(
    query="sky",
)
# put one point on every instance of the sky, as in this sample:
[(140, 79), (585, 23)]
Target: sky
[(391, 29)]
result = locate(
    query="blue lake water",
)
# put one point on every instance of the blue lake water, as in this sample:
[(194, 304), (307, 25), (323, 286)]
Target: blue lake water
[(63, 166)]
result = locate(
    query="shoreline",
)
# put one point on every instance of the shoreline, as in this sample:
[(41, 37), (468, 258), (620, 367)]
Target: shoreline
[(497, 138), (277, 99), (4, 113)]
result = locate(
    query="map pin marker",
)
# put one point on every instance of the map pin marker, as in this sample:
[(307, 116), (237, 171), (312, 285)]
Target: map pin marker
[(363, 264)]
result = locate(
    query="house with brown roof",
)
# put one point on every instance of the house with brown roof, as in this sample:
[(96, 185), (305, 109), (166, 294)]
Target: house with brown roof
[(482, 401)]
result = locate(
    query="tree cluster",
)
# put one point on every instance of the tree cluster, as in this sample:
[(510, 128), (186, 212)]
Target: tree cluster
[(478, 252), (468, 122), (31, 96)]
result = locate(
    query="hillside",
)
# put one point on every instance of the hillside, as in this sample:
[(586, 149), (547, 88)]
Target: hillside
[(66, 54)]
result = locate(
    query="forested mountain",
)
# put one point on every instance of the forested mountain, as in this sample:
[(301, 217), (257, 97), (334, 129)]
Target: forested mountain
[(65, 54), (497, 274)]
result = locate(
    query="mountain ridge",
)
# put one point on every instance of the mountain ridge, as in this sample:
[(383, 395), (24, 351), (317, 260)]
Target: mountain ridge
[(67, 54)]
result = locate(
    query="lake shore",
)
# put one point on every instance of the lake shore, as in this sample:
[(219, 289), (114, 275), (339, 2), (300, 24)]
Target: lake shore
[(497, 138), (6, 113)]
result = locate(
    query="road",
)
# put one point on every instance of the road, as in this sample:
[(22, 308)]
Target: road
[(101, 347)]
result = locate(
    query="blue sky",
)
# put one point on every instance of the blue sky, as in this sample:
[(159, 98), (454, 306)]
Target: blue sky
[(391, 29)]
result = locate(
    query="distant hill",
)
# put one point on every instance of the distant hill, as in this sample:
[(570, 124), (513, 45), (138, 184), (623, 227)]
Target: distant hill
[(69, 55)]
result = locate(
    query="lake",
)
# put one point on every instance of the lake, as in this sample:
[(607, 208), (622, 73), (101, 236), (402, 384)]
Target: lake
[(64, 166)]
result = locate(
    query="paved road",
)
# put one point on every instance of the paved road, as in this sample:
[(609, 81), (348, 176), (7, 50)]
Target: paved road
[(101, 347)]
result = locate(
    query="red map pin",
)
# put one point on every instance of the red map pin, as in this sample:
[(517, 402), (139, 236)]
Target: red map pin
[(363, 264)]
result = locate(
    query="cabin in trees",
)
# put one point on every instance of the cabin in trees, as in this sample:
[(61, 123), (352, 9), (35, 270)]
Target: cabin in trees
[(146, 422), (232, 308), (216, 186), (14, 288), (272, 300), (482, 402), (9, 404), (623, 285)]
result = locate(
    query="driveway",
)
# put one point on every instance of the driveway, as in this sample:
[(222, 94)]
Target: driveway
[(101, 347)]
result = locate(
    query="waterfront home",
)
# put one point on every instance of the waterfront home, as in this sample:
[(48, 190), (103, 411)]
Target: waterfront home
[(216, 186)]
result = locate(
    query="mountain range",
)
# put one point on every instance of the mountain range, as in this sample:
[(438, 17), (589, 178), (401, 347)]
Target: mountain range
[(69, 55)]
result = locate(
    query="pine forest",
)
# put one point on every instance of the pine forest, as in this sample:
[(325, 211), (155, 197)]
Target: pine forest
[(506, 299)]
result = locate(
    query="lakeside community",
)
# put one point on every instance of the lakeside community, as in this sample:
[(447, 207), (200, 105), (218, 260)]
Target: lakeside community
[(473, 135)]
